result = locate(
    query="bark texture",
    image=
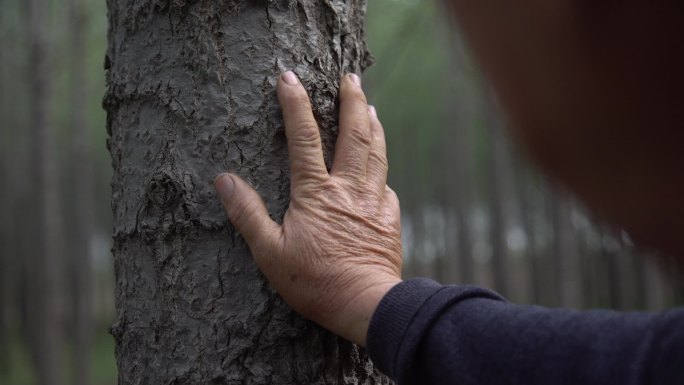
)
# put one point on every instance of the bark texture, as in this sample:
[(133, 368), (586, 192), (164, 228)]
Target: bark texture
[(191, 93)]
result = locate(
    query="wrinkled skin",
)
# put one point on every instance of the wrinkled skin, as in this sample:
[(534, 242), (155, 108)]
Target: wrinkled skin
[(338, 250), (591, 89)]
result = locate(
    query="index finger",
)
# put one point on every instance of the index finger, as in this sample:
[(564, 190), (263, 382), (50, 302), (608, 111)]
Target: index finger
[(303, 137)]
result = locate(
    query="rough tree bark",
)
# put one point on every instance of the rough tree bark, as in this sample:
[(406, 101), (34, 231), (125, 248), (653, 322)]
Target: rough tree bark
[(83, 198), (191, 93)]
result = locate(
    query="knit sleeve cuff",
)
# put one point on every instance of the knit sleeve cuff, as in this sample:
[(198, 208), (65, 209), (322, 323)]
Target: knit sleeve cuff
[(404, 316), (392, 318)]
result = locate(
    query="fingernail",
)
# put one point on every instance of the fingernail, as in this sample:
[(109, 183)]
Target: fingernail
[(224, 186), (372, 111), (356, 79), (290, 78)]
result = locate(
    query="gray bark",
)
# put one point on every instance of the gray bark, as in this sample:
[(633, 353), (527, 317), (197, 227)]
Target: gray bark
[(82, 198), (191, 93), (45, 264)]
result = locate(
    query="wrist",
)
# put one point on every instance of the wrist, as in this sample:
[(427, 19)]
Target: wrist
[(354, 319)]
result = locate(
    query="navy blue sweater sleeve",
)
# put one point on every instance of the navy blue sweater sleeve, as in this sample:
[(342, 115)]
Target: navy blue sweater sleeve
[(426, 333)]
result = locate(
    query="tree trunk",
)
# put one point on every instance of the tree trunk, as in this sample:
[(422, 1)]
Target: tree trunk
[(44, 286), (459, 154), (497, 199), (82, 199), (565, 252), (4, 244), (191, 93), (612, 260), (654, 282), (527, 199), (6, 195)]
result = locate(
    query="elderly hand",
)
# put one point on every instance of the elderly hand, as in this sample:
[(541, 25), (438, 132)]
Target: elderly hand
[(338, 251)]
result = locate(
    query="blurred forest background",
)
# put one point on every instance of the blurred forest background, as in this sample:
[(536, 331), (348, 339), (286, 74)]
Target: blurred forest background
[(474, 211)]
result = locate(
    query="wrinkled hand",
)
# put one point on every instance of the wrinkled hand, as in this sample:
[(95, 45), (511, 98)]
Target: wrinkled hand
[(338, 250)]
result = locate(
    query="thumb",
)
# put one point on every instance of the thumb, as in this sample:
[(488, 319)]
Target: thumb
[(247, 212)]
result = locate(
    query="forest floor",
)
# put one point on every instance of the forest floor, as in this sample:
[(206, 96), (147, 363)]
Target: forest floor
[(18, 370)]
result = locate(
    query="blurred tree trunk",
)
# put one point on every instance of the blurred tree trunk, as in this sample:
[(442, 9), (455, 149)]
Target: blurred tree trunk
[(637, 284), (497, 198), (413, 204), (190, 93), (526, 198), (627, 280), (565, 252), (654, 283), (609, 251), (45, 265), (458, 176), (81, 167), (459, 154), (677, 282), (4, 231), (603, 276), (463, 201), (461, 183), (4, 265), (591, 271), (5, 196)]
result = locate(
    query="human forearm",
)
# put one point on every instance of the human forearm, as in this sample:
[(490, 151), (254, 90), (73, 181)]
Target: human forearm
[(426, 333)]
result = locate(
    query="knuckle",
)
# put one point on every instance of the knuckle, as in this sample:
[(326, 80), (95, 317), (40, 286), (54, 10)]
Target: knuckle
[(378, 133), (391, 195), (380, 158), (308, 173), (361, 133), (307, 134)]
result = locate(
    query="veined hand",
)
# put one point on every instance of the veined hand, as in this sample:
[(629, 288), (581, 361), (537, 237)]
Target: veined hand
[(338, 251)]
